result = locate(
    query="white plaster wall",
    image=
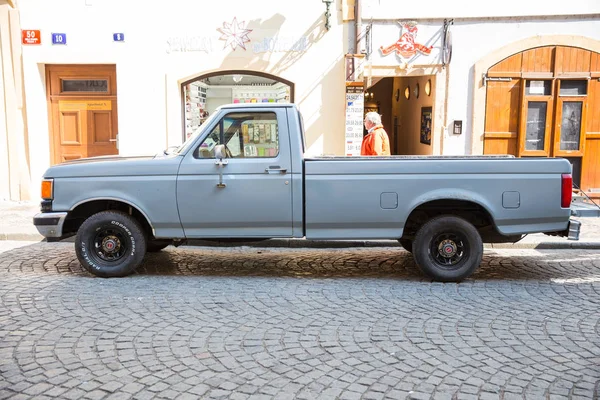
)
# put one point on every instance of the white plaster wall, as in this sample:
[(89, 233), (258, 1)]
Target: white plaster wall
[(149, 77), (474, 40), (383, 9)]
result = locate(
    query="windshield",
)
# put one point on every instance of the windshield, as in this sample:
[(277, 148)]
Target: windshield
[(184, 147)]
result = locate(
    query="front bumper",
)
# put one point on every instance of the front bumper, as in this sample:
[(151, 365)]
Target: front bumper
[(50, 224)]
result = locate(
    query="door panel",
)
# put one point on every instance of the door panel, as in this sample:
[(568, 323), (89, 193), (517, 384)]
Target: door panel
[(569, 132), (101, 127), (70, 128), (83, 111), (502, 117), (255, 200), (535, 132)]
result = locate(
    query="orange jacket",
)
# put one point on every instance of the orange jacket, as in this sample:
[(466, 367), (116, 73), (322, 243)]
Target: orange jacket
[(376, 143)]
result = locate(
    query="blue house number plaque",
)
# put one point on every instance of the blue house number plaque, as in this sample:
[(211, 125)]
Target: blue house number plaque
[(118, 37), (59, 38)]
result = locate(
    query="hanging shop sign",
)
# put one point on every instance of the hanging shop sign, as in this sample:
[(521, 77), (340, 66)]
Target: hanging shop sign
[(355, 105), (355, 67), (407, 46)]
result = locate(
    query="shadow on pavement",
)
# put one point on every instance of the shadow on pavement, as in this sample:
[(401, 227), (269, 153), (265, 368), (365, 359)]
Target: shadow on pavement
[(538, 265)]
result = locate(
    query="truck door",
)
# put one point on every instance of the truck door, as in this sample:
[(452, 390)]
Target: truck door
[(249, 193)]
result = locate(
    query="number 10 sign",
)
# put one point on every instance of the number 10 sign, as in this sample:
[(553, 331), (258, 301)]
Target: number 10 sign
[(59, 38)]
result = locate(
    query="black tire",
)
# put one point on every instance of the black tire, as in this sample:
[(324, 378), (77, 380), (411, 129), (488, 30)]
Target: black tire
[(154, 246), (448, 248), (406, 244), (110, 244)]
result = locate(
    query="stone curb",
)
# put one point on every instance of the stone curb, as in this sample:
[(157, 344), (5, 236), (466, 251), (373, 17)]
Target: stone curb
[(337, 244)]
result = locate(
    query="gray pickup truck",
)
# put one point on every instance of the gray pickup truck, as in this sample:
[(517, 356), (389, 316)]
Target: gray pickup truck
[(244, 175)]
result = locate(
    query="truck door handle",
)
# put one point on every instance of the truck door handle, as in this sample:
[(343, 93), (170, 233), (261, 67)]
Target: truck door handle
[(275, 170)]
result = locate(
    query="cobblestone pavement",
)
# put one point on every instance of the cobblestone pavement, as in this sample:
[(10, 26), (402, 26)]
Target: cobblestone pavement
[(253, 323)]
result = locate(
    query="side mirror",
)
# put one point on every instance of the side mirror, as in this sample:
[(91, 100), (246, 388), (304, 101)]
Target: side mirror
[(220, 152)]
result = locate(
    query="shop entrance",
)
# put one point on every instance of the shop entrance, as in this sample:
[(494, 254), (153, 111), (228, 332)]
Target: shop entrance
[(82, 100), (406, 108), (202, 95), (542, 103)]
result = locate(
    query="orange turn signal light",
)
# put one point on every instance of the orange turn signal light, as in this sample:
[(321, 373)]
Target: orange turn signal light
[(47, 189)]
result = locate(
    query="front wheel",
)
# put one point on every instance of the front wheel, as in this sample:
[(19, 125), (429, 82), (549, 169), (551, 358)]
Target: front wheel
[(110, 244), (448, 248), (406, 244), (155, 246)]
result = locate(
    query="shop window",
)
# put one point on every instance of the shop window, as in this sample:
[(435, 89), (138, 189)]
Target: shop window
[(245, 135)]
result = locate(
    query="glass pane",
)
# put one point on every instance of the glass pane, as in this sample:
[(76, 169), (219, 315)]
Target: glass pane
[(570, 128), (245, 135), (538, 88), (573, 88), (84, 85), (536, 125), (206, 149)]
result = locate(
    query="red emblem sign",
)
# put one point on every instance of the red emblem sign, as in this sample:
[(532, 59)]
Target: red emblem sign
[(29, 36), (407, 46)]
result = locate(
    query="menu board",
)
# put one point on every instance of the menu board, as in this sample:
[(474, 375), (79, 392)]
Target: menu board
[(355, 103)]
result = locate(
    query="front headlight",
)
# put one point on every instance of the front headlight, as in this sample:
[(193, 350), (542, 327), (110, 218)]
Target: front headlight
[(48, 189)]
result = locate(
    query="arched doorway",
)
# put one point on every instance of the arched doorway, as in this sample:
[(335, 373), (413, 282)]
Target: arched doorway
[(203, 94), (541, 102)]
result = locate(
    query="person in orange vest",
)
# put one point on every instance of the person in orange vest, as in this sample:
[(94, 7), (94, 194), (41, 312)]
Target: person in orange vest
[(376, 142)]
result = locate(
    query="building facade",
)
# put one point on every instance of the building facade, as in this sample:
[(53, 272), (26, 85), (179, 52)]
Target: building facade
[(519, 79), (455, 78), (113, 77)]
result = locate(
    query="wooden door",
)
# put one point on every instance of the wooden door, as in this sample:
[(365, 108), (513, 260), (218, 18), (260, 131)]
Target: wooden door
[(82, 102)]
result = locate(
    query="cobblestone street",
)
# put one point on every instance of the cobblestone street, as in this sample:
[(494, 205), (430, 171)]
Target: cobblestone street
[(255, 323)]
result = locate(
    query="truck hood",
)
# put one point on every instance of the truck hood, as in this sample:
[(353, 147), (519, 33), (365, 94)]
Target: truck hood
[(105, 159), (142, 165)]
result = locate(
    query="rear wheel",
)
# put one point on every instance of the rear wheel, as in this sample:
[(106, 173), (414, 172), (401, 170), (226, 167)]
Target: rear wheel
[(110, 244), (448, 248)]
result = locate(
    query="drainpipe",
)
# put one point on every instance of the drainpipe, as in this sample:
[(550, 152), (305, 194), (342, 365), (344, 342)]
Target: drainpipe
[(358, 27)]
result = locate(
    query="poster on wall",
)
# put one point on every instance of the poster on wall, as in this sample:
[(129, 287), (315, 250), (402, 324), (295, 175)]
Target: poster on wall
[(355, 102), (425, 136)]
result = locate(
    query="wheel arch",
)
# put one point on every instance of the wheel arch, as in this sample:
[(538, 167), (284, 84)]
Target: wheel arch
[(471, 207), (84, 209)]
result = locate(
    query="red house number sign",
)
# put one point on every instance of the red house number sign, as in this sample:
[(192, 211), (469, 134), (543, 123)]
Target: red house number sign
[(31, 36)]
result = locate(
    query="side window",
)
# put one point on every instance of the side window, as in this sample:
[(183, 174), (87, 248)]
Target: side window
[(245, 135), (207, 148)]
